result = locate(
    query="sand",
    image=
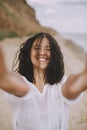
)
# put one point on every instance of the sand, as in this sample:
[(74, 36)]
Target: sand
[(74, 63)]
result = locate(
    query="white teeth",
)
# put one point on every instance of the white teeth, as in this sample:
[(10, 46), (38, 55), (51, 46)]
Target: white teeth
[(42, 59)]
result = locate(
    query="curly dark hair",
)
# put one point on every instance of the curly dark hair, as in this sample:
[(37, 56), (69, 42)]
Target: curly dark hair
[(55, 69)]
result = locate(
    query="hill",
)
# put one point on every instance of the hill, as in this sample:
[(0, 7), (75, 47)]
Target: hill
[(17, 18)]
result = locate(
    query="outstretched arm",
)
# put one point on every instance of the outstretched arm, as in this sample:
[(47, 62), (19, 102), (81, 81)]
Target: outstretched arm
[(11, 82), (75, 84)]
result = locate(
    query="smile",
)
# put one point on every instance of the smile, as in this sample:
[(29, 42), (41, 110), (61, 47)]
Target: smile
[(41, 59)]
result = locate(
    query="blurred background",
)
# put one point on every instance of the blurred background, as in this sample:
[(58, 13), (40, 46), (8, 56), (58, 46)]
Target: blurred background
[(66, 20), (68, 17)]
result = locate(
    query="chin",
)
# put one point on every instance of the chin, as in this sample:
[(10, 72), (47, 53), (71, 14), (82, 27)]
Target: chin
[(42, 68)]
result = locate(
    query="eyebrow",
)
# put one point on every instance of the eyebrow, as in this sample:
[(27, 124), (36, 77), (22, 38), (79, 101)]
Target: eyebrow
[(39, 45), (47, 46)]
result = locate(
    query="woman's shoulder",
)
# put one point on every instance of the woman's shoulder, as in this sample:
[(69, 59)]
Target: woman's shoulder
[(64, 78), (26, 80), (17, 75)]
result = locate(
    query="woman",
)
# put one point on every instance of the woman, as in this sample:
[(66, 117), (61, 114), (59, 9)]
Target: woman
[(39, 93)]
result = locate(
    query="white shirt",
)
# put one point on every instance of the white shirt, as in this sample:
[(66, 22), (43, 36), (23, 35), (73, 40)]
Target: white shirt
[(40, 111)]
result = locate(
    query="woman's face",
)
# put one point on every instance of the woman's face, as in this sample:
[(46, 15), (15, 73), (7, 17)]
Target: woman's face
[(40, 54)]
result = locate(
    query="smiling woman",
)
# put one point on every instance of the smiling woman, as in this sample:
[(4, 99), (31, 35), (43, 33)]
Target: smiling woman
[(39, 92), (40, 47), (40, 54)]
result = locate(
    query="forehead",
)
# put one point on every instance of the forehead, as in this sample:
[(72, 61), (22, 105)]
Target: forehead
[(41, 41)]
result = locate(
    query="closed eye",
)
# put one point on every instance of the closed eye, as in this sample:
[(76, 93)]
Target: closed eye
[(47, 48), (39, 47), (36, 47)]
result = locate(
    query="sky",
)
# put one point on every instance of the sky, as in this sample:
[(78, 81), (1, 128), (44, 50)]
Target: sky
[(65, 16)]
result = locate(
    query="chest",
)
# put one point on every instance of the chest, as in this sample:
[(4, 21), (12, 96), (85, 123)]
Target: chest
[(41, 107), (42, 113), (39, 86)]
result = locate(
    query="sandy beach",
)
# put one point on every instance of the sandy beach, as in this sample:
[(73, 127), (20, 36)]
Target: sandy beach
[(74, 63)]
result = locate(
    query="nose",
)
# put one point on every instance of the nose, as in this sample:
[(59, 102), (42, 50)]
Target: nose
[(42, 51)]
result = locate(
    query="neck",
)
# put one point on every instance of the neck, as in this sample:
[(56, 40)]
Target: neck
[(39, 79), (39, 75)]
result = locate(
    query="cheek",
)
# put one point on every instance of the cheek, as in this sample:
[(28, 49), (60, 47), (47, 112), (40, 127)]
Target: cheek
[(49, 54), (33, 56)]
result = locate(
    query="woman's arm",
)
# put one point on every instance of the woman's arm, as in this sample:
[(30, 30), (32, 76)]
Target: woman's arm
[(75, 84), (11, 82)]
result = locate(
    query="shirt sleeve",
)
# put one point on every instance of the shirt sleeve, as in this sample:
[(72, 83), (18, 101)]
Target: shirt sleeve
[(15, 101), (68, 101)]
